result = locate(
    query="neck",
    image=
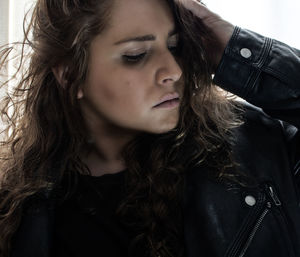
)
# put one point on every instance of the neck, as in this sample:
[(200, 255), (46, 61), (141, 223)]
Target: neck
[(107, 143)]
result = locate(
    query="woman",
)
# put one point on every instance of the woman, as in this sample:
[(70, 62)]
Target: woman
[(119, 144)]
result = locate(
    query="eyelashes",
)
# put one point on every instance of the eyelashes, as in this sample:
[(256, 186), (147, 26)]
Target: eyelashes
[(135, 59)]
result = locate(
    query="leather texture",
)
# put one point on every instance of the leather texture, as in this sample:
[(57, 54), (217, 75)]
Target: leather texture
[(218, 221), (231, 220), (217, 218)]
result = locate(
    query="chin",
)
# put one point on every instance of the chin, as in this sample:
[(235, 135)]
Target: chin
[(162, 128)]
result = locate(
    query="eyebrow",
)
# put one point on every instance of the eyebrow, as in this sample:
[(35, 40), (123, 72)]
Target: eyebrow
[(144, 38)]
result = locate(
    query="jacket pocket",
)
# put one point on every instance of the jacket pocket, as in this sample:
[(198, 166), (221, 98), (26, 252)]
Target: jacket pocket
[(266, 214)]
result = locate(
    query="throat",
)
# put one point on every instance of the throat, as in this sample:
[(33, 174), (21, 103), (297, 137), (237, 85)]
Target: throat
[(99, 166), (106, 168)]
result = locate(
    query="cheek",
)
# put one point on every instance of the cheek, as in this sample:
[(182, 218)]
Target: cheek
[(132, 97), (129, 85), (120, 90), (107, 92)]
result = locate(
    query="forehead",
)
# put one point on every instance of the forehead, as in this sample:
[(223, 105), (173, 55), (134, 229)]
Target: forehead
[(132, 17)]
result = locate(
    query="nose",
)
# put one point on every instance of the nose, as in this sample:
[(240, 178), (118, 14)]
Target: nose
[(169, 70)]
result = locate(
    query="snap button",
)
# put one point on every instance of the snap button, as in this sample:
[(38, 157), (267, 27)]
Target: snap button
[(245, 52), (250, 200)]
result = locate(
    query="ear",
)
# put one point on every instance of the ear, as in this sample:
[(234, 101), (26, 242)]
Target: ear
[(80, 93), (59, 72)]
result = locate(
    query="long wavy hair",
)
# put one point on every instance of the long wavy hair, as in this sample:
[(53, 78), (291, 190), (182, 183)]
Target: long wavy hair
[(43, 136)]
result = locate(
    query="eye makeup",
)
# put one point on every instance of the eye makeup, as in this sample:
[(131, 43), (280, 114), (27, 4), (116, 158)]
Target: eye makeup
[(135, 57)]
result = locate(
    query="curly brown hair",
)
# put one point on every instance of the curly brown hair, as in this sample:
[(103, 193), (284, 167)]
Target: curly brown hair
[(44, 135)]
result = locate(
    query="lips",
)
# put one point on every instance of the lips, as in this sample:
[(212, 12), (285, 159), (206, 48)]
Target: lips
[(168, 97)]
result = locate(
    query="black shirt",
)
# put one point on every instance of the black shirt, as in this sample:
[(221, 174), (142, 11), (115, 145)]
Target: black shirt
[(86, 224)]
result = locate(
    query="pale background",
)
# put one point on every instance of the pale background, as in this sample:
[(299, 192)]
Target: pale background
[(279, 19)]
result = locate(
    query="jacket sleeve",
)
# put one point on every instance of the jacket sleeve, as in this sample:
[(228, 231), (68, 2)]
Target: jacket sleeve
[(264, 72)]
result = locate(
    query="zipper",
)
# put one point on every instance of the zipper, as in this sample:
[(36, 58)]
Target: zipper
[(273, 195), (255, 228), (263, 208), (243, 240), (282, 219), (297, 169), (275, 201)]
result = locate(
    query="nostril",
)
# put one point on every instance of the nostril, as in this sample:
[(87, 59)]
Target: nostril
[(169, 71), (167, 80)]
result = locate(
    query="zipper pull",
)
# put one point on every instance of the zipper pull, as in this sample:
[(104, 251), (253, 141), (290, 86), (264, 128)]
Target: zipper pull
[(274, 196)]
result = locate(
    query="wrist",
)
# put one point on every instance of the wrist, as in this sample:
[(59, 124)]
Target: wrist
[(223, 40)]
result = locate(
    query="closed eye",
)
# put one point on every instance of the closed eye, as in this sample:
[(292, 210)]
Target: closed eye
[(134, 58)]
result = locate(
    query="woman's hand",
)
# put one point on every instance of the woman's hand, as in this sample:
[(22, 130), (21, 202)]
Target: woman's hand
[(221, 29)]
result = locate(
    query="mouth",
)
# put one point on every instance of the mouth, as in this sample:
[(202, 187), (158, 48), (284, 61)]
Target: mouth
[(168, 101)]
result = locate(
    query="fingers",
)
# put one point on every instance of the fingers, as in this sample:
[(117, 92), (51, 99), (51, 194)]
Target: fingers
[(219, 28), (189, 3)]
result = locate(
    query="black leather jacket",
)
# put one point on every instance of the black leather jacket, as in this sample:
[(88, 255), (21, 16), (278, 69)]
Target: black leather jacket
[(234, 221)]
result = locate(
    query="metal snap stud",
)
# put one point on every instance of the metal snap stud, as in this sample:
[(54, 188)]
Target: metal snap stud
[(250, 200), (246, 53)]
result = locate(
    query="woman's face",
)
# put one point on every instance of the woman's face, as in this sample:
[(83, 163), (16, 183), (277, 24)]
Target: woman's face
[(132, 69)]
